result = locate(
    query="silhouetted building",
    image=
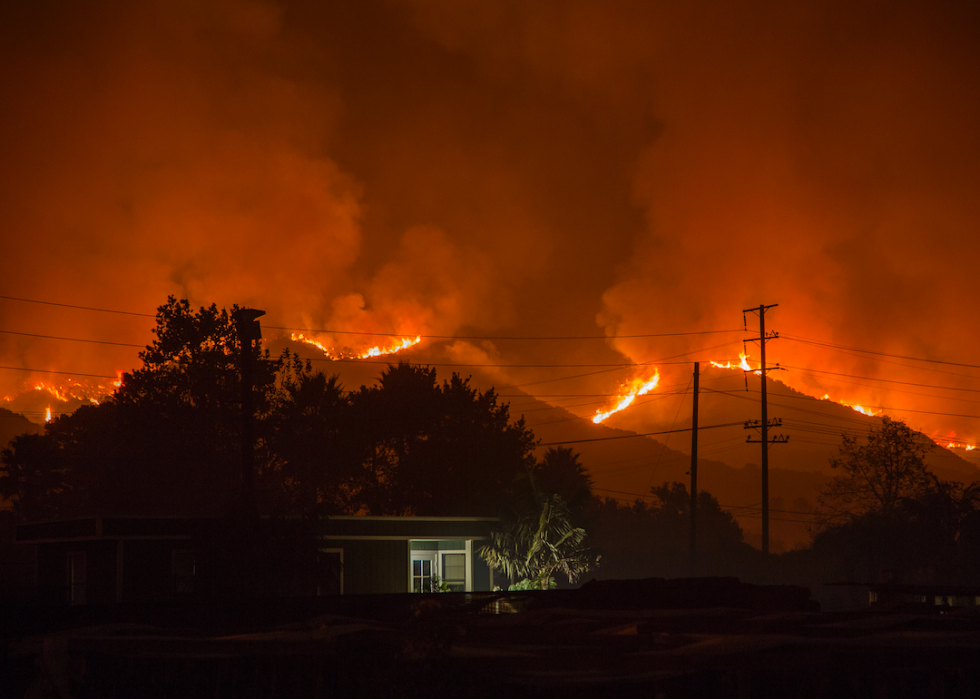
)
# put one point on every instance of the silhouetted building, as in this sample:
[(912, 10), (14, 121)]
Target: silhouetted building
[(123, 559)]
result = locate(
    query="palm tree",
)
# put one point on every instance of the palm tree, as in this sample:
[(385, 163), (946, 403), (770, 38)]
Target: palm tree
[(538, 543)]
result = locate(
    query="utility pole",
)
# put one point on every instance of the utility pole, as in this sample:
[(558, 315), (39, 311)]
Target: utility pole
[(694, 475), (249, 331), (764, 424)]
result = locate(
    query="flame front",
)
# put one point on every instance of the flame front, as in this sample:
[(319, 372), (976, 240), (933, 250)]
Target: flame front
[(637, 387), (961, 445), (861, 409), (378, 351), (743, 364), (73, 389), (347, 353)]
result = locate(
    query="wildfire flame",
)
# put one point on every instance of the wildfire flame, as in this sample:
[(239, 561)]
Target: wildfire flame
[(961, 445), (47, 415), (72, 389), (347, 353), (742, 364), (861, 409), (631, 390)]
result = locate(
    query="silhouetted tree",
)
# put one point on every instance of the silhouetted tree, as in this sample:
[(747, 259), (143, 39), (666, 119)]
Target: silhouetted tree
[(437, 449), (717, 530), (928, 538), (648, 540), (315, 460), (168, 441), (34, 476), (560, 471), (876, 474)]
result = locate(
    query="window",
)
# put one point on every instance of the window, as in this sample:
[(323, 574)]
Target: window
[(76, 577), (423, 567), (454, 571), (184, 567), (445, 560)]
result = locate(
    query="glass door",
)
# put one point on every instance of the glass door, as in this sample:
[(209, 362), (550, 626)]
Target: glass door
[(423, 567)]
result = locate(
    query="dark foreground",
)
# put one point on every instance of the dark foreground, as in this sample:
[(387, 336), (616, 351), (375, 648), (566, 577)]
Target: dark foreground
[(695, 638)]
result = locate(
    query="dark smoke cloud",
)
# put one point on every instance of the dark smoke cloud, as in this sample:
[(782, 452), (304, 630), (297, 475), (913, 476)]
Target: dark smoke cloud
[(463, 167)]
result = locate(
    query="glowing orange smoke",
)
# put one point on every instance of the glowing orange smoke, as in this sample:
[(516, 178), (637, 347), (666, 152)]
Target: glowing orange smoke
[(636, 387), (347, 353)]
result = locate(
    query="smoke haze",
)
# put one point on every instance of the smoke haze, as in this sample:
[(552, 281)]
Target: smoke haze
[(463, 168)]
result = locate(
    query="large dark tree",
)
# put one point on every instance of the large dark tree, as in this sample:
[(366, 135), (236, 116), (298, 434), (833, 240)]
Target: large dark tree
[(648, 540), (931, 537), (168, 441), (315, 457), (560, 471), (34, 476), (437, 449), (877, 473)]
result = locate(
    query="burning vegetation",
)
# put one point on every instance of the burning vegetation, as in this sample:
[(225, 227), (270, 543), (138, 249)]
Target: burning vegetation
[(348, 353)]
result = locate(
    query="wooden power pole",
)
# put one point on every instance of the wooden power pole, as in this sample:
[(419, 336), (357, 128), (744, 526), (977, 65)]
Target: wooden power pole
[(764, 424), (694, 475)]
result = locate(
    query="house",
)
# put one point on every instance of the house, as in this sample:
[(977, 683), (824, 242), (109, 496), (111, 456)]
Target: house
[(935, 595), (124, 559), (407, 554), (98, 560)]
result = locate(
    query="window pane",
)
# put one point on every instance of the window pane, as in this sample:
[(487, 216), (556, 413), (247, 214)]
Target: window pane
[(76, 578), (422, 575), (454, 571)]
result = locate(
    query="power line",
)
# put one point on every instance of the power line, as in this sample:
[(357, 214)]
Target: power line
[(623, 365), (72, 339), (637, 434), (81, 308), (663, 361), (378, 334), (52, 371), (897, 390), (873, 378), (829, 345), (501, 337)]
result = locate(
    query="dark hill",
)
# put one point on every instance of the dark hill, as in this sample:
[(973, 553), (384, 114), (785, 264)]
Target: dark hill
[(13, 424)]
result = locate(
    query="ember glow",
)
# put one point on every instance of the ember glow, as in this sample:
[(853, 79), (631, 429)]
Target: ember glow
[(630, 391), (347, 353)]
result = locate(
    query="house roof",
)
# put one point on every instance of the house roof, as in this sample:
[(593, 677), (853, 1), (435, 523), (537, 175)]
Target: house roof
[(364, 527)]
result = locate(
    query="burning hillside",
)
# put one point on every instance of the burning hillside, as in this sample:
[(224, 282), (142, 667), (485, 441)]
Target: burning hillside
[(575, 192)]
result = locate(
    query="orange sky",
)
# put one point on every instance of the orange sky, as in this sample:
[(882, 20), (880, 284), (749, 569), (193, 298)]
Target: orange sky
[(457, 167)]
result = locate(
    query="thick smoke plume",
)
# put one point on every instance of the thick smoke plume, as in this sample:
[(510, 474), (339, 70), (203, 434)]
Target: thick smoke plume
[(499, 169)]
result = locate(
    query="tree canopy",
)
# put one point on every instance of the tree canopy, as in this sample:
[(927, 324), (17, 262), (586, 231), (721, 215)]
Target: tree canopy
[(887, 518), (642, 539), (169, 440), (878, 473), (436, 449)]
